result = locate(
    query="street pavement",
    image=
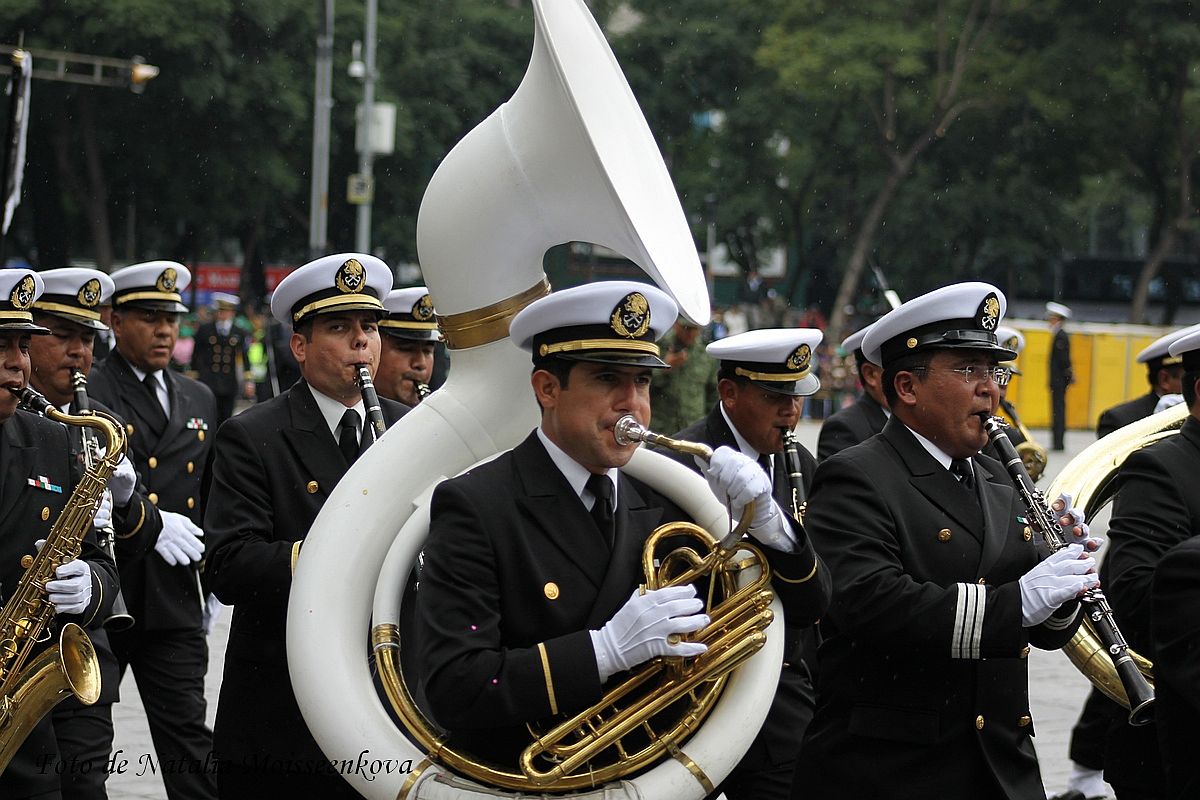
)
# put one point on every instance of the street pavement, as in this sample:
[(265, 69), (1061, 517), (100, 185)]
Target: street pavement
[(1057, 690)]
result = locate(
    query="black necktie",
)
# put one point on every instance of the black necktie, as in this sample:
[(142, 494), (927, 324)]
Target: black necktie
[(962, 470), (151, 383), (602, 510), (348, 436), (764, 461)]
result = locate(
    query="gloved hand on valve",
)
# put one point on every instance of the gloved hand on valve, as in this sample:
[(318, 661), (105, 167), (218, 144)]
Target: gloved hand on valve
[(179, 542), (103, 516), (122, 482), (1064, 575), (71, 590), (737, 480), (642, 628), (1074, 523)]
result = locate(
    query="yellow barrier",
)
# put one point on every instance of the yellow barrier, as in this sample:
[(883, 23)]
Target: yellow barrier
[(1104, 360)]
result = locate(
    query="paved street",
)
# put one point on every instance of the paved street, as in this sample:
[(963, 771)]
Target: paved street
[(1057, 690)]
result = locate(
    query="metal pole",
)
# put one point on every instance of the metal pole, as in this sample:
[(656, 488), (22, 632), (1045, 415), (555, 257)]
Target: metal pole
[(362, 238), (318, 219)]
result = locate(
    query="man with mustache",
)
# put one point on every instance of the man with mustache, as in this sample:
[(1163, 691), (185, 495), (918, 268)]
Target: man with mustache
[(275, 465), (762, 380), (528, 600), (406, 346), (941, 585), (36, 480), (169, 419)]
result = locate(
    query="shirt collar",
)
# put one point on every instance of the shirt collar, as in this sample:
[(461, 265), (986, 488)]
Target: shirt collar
[(573, 471), (742, 444), (941, 456), (332, 410)]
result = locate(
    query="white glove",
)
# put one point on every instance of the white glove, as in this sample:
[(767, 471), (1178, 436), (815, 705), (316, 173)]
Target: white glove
[(1167, 401), (103, 516), (1073, 522), (737, 479), (640, 630), (71, 591), (122, 482), (212, 610), (179, 542), (1063, 575)]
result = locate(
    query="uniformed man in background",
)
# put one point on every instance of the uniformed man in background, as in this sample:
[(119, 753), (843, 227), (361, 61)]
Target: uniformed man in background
[(69, 309), (763, 378), (408, 338), (275, 465), (864, 418), (35, 483), (170, 420), (1062, 374), (1164, 373), (221, 357)]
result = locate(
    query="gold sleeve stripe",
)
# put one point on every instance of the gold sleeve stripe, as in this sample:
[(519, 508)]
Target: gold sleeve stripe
[(805, 579), (295, 555), (141, 521), (549, 678)]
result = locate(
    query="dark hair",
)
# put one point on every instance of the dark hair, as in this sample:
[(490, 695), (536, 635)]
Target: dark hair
[(1170, 369), (558, 367), (906, 363), (1189, 386), (305, 328)]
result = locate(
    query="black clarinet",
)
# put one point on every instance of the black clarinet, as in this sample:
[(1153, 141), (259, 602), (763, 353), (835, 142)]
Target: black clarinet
[(120, 619), (1043, 519), (371, 401), (791, 459)]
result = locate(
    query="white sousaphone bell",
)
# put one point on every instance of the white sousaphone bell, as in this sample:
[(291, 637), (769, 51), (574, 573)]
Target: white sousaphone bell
[(568, 158)]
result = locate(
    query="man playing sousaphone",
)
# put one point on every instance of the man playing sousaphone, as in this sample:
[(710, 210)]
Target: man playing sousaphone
[(528, 601), (275, 465), (408, 337)]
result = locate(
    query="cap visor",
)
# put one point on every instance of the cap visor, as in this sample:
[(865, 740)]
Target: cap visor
[(619, 358), (91, 324), (156, 305), (805, 386), (26, 327), (411, 335)]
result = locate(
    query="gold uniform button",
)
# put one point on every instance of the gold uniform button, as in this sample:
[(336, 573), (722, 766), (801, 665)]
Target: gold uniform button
[(191, 467), (1025, 651), (1024, 720), (1027, 533), (981, 581), (979, 722), (551, 590), (944, 535), (154, 498), (46, 512), (153, 462), (312, 487), (200, 435), (911, 343), (129, 429), (191, 502)]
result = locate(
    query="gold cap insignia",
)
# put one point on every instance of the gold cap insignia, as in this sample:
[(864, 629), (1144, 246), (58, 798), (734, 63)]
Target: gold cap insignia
[(423, 309), (799, 358), (988, 316), (22, 294), (167, 280), (89, 294), (912, 342), (1010, 343), (351, 277), (631, 317)]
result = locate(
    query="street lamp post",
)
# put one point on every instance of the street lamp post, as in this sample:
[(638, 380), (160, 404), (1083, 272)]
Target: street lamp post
[(366, 158), (318, 218)]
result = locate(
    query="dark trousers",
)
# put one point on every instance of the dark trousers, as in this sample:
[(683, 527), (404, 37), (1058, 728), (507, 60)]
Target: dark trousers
[(85, 738), (169, 667), (225, 404), (1058, 416), (1089, 737)]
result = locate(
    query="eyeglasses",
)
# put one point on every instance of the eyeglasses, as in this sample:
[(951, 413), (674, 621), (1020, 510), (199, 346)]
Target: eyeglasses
[(972, 374)]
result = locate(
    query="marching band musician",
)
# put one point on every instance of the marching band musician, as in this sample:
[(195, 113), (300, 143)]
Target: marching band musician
[(275, 465), (36, 479), (863, 419), (407, 345), (1157, 506), (1164, 373), (528, 600), (68, 308), (939, 590), (221, 357), (763, 377), (169, 419)]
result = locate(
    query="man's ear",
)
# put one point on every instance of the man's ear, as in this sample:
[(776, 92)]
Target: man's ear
[(299, 347), (546, 388), (905, 383), (727, 391)]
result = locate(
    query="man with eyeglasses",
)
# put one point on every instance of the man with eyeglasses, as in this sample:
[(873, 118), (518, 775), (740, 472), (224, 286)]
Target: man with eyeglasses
[(940, 585), (763, 378)]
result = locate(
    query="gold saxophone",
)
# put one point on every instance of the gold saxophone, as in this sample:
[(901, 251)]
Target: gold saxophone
[(32, 685)]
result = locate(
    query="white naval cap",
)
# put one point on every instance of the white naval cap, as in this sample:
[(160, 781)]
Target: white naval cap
[(960, 316), (854, 341), (1014, 340), (777, 359), (410, 315), (1058, 309), (1187, 347), (225, 300), (1156, 355), (156, 285), (76, 294), (609, 322), (19, 290), (340, 282)]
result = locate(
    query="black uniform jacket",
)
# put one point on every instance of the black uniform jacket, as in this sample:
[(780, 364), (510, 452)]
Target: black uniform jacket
[(275, 465), (36, 480), (515, 576), (1156, 508), (216, 358), (1176, 637), (923, 686), (172, 459), (1061, 374), (1131, 411), (852, 425)]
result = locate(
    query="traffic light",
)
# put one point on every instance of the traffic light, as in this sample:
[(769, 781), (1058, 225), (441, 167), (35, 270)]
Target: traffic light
[(140, 74)]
